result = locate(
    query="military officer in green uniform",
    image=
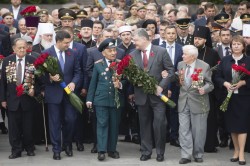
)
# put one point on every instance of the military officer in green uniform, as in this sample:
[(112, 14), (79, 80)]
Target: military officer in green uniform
[(68, 17), (101, 95)]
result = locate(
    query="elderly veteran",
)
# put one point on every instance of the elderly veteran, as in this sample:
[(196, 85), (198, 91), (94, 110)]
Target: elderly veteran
[(193, 105), (101, 95)]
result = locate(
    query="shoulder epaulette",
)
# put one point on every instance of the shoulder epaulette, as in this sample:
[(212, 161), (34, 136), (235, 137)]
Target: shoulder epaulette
[(98, 61)]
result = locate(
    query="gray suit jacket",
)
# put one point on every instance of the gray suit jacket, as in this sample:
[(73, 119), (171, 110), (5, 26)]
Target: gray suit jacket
[(191, 96), (159, 60), (220, 51)]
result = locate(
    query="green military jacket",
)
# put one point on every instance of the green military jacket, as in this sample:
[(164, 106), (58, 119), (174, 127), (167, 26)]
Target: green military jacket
[(101, 90)]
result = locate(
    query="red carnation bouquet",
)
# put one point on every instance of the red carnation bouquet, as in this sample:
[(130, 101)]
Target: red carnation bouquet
[(239, 71), (29, 11), (197, 78), (29, 80), (198, 82), (115, 76), (140, 78), (49, 64)]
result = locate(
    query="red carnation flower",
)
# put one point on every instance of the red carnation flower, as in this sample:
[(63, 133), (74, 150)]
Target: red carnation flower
[(112, 65), (20, 90), (79, 36), (30, 10)]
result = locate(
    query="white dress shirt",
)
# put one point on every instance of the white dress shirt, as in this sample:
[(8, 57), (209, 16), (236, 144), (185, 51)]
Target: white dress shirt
[(173, 51), (148, 48), (15, 11), (58, 53)]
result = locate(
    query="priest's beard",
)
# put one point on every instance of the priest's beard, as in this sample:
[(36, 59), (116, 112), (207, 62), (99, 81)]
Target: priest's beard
[(46, 44)]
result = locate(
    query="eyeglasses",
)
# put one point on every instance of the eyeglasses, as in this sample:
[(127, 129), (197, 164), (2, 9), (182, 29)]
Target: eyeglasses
[(152, 10)]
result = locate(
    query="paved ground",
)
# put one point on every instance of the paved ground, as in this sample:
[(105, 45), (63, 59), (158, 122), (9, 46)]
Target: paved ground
[(129, 153)]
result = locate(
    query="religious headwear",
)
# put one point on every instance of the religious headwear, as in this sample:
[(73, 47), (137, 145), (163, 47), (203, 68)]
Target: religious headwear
[(201, 31), (32, 21), (125, 28), (87, 23), (44, 28)]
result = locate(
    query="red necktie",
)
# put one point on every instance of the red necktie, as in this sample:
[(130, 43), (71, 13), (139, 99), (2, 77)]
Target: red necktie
[(145, 59)]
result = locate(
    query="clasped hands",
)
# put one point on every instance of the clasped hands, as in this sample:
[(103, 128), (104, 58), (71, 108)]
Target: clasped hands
[(233, 87)]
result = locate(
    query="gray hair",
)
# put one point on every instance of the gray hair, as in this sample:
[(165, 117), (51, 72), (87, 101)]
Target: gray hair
[(18, 39), (190, 50), (141, 32)]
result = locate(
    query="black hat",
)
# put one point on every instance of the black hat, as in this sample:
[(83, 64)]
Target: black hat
[(87, 23), (201, 31), (216, 27), (227, 1), (221, 18), (31, 21), (245, 17), (81, 14), (66, 14), (107, 43), (183, 23)]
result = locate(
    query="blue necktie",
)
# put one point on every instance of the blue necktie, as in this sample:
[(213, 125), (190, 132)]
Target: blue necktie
[(61, 61), (163, 44), (170, 53)]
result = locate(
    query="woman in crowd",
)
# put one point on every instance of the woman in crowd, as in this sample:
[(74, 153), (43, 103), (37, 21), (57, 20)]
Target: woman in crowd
[(237, 114)]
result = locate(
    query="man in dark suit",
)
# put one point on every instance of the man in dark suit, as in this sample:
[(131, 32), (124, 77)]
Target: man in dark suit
[(209, 12), (184, 38), (175, 52), (153, 60), (81, 88), (58, 102), (223, 50), (225, 37), (5, 44), (20, 109), (16, 8), (102, 95), (161, 40), (93, 56)]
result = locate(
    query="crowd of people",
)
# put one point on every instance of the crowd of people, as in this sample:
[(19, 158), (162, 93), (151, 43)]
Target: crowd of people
[(200, 62)]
